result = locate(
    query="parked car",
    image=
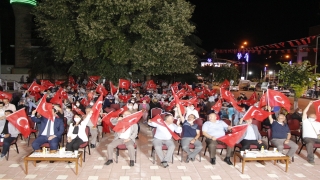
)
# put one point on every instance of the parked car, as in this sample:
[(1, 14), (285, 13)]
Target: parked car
[(234, 88), (253, 86)]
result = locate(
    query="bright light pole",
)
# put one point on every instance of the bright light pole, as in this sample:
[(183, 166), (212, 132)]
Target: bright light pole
[(265, 71)]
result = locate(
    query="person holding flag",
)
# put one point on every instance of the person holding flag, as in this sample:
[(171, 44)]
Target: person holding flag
[(50, 130), (127, 137), (9, 133), (190, 135), (281, 135), (252, 136), (212, 130), (311, 130), (164, 133)]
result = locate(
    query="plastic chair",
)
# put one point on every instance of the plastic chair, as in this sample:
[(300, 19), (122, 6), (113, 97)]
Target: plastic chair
[(271, 145), (155, 111), (85, 145), (124, 147), (14, 142)]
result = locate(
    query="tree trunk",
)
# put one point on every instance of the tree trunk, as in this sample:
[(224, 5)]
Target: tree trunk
[(295, 102)]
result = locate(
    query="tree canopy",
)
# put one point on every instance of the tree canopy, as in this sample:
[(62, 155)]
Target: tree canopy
[(113, 37)]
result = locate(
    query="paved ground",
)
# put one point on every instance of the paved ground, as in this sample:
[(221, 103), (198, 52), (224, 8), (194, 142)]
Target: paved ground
[(94, 167)]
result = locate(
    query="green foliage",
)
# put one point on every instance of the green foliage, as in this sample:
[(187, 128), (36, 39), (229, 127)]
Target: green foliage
[(225, 72), (297, 75), (111, 38)]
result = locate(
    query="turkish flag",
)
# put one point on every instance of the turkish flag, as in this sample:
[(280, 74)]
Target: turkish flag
[(225, 84), (128, 121), (25, 86), (94, 78), (57, 82), (71, 80), (90, 85), (123, 83), (75, 86), (90, 96), (217, 107), (44, 108), (77, 110), (34, 87), (316, 105), (62, 93), (225, 94), (181, 93), (113, 89), (232, 138), (263, 100), (151, 85), (171, 105), (56, 99), (47, 84), (177, 101), (84, 102), (36, 95), (101, 90), (233, 102), (19, 120), (5, 95), (277, 98), (106, 120), (157, 119), (96, 108), (256, 113), (124, 98)]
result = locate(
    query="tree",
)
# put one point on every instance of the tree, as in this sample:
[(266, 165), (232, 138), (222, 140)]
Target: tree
[(225, 72), (111, 38), (298, 76)]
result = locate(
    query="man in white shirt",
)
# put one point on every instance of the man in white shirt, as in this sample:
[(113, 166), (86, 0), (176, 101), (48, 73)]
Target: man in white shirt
[(310, 132), (128, 138), (9, 106), (212, 130), (163, 136)]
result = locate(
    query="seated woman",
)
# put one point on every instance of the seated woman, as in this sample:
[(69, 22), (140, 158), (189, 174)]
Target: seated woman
[(77, 132)]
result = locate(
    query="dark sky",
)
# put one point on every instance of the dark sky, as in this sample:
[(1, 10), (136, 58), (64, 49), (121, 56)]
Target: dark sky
[(222, 23)]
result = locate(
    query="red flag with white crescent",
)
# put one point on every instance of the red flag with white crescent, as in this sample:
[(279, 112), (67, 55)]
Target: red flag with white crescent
[(96, 108), (113, 89), (158, 120), (232, 138), (34, 87), (101, 90), (84, 102), (47, 84), (19, 120), (123, 83), (5, 95), (177, 101), (277, 98), (57, 82), (256, 113), (217, 106), (128, 121), (225, 84), (44, 108)]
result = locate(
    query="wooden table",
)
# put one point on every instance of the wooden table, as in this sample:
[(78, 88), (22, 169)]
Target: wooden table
[(260, 158), (58, 158)]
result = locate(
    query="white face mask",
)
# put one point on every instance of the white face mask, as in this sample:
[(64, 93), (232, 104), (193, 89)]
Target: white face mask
[(191, 108), (77, 104), (77, 119), (130, 107), (91, 104), (68, 110), (312, 119)]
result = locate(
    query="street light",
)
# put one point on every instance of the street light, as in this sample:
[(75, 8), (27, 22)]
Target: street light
[(265, 71), (250, 72)]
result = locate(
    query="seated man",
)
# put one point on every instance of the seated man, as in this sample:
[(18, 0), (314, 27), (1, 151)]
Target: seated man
[(212, 130), (190, 134), (128, 138), (9, 132), (164, 136), (310, 132), (49, 131), (281, 135), (252, 136)]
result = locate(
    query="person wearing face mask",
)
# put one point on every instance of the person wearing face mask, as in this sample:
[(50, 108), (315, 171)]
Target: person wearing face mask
[(80, 106), (77, 132), (135, 105), (94, 131), (297, 114), (191, 110), (310, 132), (281, 135)]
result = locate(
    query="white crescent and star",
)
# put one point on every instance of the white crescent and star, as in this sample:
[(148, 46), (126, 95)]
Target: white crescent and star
[(44, 107), (99, 102), (20, 119), (278, 99), (254, 112), (36, 88), (132, 119)]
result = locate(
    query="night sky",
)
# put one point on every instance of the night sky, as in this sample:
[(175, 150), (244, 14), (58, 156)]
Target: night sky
[(225, 24)]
